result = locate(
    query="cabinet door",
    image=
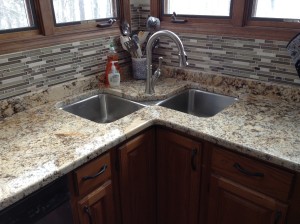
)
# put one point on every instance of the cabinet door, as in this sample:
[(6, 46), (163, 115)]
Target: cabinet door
[(137, 180), (98, 206), (231, 203), (179, 173)]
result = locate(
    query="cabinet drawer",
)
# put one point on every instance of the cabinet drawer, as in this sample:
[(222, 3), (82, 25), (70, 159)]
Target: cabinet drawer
[(92, 174), (252, 173), (98, 206)]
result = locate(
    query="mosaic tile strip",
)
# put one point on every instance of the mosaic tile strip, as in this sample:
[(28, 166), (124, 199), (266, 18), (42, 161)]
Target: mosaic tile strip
[(257, 59), (39, 69), (139, 15)]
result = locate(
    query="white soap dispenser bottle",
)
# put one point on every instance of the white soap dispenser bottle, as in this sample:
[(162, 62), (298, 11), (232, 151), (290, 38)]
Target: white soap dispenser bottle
[(114, 76)]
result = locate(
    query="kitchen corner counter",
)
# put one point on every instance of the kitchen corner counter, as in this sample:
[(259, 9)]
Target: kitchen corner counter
[(43, 143)]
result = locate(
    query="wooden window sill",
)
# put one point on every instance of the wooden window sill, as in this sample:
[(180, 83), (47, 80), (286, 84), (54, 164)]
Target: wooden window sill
[(38, 41), (254, 32)]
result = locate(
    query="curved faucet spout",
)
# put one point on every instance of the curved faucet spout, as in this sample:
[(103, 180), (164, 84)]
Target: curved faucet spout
[(181, 53)]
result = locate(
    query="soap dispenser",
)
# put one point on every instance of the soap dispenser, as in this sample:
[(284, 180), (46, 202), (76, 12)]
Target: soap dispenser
[(114, 76)]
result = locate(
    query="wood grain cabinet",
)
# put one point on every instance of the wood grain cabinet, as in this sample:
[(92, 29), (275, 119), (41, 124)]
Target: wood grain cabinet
[(165, 177), (98, 206), (247, 191), (137, 179), (178, 178), (92, 196)]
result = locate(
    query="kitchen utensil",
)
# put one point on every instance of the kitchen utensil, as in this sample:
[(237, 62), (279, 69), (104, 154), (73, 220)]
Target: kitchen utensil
[(125, 28), (153, 24), (131, 48), (135, 38), (124, 39), (155, 44), (142, 35)]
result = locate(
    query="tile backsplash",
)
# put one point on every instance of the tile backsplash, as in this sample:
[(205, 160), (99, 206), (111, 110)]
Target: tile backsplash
[(258, 59), (139, 15), (38, 69)]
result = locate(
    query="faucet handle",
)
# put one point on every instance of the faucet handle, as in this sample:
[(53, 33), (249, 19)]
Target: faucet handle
[(183, 60), (160, 60), (186, 59), (157, 73)]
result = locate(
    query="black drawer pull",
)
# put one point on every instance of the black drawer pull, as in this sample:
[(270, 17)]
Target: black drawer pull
[(101, 171), (87, 210), (193, 163), (246, 172), (278, 216)]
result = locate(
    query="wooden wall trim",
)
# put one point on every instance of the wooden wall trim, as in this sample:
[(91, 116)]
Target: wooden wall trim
[(40, 41), (155, 8), (125, 14), (46, 17), (254, 32), (238, 12)]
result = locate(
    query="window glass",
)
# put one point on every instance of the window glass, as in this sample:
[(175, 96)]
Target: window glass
[(281, 9), (67, 11), (198, 7), (15, 14)]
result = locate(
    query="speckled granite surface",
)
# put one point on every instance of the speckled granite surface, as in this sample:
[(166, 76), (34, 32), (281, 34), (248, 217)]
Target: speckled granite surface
[(42, 143)]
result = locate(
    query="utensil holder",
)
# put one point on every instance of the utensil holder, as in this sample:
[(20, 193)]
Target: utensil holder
[(139, 68)]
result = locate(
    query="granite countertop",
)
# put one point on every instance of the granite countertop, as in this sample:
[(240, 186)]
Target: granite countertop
[(43, 143)]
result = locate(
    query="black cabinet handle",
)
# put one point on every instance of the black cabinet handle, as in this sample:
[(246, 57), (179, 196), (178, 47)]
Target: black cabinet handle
[(175, 20), (246, 172), (107, 24), (193, 158), (278, 216), (87, 210), (101, 171)]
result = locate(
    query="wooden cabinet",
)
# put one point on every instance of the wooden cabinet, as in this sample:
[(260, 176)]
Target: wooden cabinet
[(231, 203), (244, 190), (138, 179), (178, 178), (89, 176), (257, 175), (164, 177), (92, 196), (98, 206)]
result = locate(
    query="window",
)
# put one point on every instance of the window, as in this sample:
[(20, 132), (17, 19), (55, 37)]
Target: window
[(278, 9), (28, 24), (72, 11), (268, 19), (198, 7), (16, 14)]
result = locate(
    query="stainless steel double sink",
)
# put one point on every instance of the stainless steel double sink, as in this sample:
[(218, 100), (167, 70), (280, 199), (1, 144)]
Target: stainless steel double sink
[(103, 108), (106, 108)]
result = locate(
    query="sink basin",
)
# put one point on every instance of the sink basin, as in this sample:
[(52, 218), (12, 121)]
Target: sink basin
[(198, 103), (103, 108)]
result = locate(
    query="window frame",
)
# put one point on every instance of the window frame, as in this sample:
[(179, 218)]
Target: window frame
[(239, 24), (200, 18), (46, 33), (267, 22), (80, 23), (31, 16)]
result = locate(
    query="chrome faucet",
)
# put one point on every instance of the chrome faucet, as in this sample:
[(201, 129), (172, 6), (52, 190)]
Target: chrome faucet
[(151, 80)]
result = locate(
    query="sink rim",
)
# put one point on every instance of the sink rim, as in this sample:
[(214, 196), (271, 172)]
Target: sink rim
[(72, 101), (234, 100), (118, 113)]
